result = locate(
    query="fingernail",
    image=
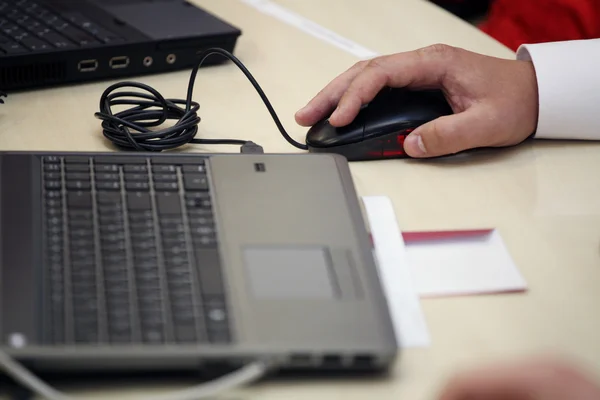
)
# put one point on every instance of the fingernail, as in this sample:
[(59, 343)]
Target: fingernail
[(335, 114), (415, 142)]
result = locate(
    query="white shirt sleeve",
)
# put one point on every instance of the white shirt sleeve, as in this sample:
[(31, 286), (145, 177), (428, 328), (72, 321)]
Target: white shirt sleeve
[(568, 77)]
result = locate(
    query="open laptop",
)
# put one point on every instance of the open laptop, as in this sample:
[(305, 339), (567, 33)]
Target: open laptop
[(50, 42), (112, 261)]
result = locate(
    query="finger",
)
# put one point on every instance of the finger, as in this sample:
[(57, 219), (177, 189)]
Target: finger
[(506, 381), (327, 99), (451, 134), (423, 68)]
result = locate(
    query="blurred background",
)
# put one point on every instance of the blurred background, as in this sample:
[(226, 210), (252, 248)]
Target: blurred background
[(515, 22)]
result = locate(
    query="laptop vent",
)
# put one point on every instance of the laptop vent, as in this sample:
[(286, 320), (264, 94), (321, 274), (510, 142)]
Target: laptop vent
[(33, 74)]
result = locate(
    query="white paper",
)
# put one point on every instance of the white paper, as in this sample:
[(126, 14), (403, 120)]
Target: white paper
[(310, 27), (405, 308), (464, 266)]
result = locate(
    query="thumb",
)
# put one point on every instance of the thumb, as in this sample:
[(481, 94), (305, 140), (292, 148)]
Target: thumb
[(446, 135)]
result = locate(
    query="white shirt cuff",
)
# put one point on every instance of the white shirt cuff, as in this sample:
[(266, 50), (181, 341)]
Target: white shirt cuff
[(568, 78)]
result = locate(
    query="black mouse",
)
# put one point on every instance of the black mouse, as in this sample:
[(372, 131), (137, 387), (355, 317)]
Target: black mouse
[(379, 129)]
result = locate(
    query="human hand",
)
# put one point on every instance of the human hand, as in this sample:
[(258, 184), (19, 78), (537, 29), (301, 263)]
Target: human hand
[(531, 380), (495, 101)]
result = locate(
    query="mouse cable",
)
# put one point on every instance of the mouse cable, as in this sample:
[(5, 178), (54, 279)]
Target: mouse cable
[(245, 375), (129, 129)]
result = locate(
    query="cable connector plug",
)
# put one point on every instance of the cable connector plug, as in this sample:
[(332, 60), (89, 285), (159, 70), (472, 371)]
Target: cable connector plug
[(2, 94), (251, 148)]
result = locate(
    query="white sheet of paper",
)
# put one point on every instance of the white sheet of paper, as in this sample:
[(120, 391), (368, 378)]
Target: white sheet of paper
[(464, 266), (405, 308), (310, 27)]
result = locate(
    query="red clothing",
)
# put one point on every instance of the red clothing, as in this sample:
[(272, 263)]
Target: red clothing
[(514, 22)]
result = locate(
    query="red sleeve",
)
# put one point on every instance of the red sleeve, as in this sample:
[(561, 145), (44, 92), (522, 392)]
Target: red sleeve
[(514, 22)]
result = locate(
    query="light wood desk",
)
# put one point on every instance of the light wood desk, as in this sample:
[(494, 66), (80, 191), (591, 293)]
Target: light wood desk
[(543, 197)]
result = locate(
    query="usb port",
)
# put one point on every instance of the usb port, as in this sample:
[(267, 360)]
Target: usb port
[(87, 65), (119, 62)]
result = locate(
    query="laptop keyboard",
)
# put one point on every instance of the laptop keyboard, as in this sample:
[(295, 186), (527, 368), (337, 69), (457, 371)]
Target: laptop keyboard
[(131, 252), (27, 26)]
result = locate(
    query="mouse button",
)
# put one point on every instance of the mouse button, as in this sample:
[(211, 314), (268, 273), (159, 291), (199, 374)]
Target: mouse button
[(383, 121), (325, 135), (320, 133)]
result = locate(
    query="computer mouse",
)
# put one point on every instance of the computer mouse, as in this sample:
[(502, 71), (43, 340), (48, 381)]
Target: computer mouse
[(379, 129)]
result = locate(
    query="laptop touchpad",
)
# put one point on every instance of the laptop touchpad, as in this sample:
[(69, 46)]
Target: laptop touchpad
[(290, 272)]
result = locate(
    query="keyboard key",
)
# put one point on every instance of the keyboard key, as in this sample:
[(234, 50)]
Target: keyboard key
[(163, 177), (194, 168), (118, 159), (136, 177), (91, 27), (139, 201), (198, 200), (74, 34), (168, 203), (160, 169), (52, 167), (106, 168), (137, 186), (185, 332), (195, 182), (177, 160), (50, 185), (141, 216), (12, 48), (209, 270), (79, 199), (55, 39), (108, 185), (51, 160), (146, 235), (108, 198), (77, 176), (76, 160), (103, 176), (78, 185), (135, 168), (77, 167), (166, 186)]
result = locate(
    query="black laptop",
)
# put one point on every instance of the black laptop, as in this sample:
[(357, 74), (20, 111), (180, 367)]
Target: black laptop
[(52, 42)]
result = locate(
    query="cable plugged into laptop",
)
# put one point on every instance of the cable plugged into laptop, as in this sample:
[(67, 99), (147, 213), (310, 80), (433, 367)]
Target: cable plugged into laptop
[(130, 129), (251, 148), (249, 373)]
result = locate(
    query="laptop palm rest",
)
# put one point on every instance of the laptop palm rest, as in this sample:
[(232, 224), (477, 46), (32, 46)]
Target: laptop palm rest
[(296, 270)]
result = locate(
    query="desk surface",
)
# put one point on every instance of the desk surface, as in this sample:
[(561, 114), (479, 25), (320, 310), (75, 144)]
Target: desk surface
[(543, 197)]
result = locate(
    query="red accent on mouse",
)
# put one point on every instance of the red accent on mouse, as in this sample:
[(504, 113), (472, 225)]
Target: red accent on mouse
[(380, 128)]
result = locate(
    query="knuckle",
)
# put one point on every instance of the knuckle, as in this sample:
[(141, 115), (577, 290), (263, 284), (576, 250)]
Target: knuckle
[(377, 71), (375, 63), (360, 66), (437, 50)]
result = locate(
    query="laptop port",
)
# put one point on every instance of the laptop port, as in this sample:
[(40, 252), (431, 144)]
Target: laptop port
[(87, 65), (301, 360), (363, 361), (171, 58), (332, 361), (148, 61), (119, 62)]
